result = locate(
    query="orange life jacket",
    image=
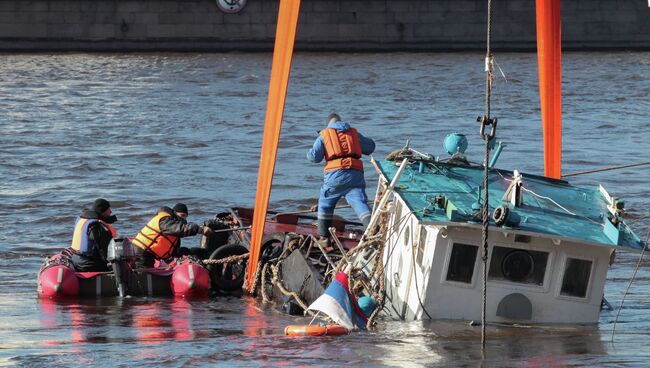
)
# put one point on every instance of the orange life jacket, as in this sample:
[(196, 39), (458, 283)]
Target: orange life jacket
[(151, 238), (80, 241), (342, 149)]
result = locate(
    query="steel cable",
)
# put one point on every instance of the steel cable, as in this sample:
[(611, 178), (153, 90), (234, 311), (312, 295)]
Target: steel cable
[(486, 118)]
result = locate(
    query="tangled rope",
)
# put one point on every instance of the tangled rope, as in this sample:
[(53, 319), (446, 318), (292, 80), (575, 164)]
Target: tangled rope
[(269, 275), (380, 296), (373, 240)]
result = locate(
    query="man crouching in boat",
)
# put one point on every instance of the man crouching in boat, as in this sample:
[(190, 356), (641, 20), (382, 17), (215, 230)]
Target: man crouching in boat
[(92, 234), (342, 147), (161, 237)]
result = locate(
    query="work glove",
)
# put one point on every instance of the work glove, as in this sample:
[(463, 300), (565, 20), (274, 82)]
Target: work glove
[(215, 224), (206, 230)]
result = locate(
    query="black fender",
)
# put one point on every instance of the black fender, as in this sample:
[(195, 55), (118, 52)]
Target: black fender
[(272, 246), (229, 276)]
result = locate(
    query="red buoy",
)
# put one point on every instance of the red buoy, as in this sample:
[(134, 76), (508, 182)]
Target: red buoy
[(57, 282), (190, 279)]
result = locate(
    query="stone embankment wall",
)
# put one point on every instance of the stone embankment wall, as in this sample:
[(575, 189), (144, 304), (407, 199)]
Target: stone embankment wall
[(324, 25)]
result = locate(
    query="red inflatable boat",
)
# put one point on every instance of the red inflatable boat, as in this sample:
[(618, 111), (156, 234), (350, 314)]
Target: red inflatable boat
[(184, 277)]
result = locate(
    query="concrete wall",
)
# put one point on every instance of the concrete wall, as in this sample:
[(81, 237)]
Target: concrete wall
[(324, 25)]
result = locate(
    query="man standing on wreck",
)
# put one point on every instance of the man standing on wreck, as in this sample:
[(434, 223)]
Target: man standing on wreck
[(342, 147)]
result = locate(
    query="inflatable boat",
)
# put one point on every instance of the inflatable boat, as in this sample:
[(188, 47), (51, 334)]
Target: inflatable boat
[(186, 276)]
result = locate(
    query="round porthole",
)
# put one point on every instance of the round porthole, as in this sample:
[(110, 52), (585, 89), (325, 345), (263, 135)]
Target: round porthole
[(231, 6), (517, 265)]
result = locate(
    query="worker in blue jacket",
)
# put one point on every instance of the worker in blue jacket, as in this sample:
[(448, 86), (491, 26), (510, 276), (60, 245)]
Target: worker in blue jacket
[(341, 146)]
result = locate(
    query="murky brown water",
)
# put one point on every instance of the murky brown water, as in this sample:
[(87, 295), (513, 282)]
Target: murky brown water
[(143, 130)]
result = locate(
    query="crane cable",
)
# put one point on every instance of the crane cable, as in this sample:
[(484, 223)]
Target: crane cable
[(485, 121)]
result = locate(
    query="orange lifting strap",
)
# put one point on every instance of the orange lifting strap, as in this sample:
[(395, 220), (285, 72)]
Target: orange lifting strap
[(282, 53), (549, 58)]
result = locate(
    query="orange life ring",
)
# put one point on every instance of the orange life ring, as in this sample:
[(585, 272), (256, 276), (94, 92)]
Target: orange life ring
[(315, 330)]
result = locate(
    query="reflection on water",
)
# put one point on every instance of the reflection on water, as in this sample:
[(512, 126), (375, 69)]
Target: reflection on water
[(152, 321), (166, 331), (145, 130)]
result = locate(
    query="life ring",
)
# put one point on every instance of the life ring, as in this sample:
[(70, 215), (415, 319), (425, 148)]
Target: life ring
[(315, 330)]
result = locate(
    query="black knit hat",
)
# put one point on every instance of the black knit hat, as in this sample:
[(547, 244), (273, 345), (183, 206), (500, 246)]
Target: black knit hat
[(180, 207), (100, 205)]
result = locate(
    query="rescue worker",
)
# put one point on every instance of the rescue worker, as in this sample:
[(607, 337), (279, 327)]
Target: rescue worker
[(161, 237), (341, 146), (92, 234)]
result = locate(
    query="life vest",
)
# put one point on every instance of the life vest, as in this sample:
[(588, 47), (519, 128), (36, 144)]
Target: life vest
[(342, 149), (151, 238), (80, 241)]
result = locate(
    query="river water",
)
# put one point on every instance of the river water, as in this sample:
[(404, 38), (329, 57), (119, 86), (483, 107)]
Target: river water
[(144, 130)]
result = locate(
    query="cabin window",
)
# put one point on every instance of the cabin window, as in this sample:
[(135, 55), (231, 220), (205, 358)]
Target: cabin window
[(576, 277), (461, 263), (518, 265), (421, 243)]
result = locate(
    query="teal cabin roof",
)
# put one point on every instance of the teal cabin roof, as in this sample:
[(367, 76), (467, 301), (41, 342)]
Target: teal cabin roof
[(440, 193)]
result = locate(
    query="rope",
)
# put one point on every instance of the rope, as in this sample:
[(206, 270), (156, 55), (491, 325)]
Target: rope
[(378, 273), (484, 235), (488, 62), (636, 269), (486, 218), (548, 199), (350, 253), (382, 297), (265, 297), (225, 260), (417, 288), (277, 282), (256, 278), (380, 267), (606, 169)]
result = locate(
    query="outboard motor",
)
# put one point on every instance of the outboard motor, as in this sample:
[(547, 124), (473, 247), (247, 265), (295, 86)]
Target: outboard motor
[(120, 254)]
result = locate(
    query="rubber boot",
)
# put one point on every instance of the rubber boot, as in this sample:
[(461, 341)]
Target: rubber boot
[(323, 227)]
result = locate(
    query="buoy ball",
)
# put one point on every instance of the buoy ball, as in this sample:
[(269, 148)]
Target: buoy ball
[(455, 143)]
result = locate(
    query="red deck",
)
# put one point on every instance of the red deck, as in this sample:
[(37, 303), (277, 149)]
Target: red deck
[(349, 233)]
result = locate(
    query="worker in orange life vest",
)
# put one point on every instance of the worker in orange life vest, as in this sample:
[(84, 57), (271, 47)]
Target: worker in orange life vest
[(161, 237), (92, 234), (341, 146)]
